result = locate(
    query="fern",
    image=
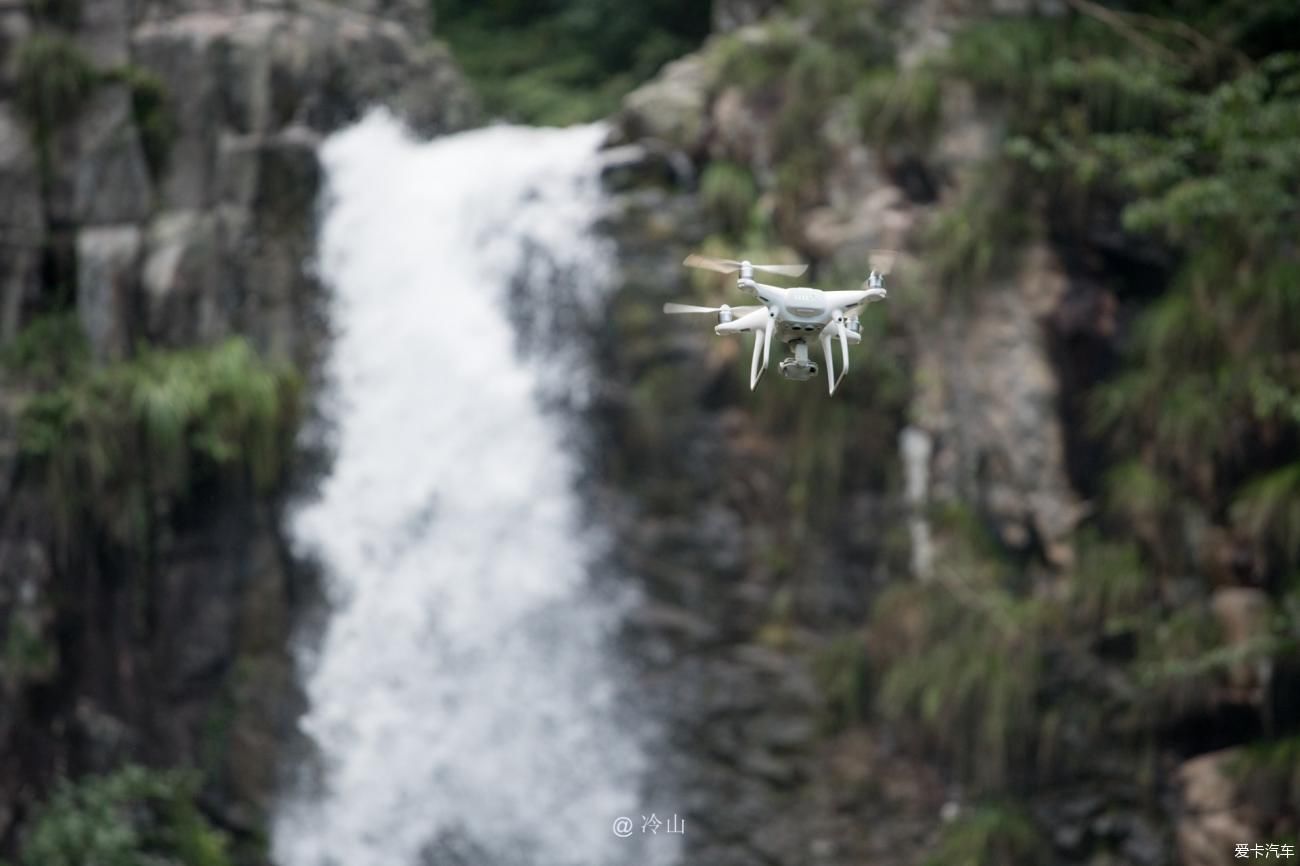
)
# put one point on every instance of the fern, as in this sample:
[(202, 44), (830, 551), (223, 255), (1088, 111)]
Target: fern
[(132, 816), (1268, 508), (990, 834), (116, 441)]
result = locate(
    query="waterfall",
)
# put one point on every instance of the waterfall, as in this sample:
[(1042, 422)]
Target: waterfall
[(465, 701)]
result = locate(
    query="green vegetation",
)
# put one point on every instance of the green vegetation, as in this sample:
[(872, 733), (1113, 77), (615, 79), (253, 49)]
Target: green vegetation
[(152, 113), (50, 348), (729, 194), (55, 79), (841, 668), (978, 235), (28, 655), (899, 110), (992, 834), (1110, 587), (565, 61), (1268, 508), (959, 663), (798, 72), (1170, 137), (131, 817), (122, 444)]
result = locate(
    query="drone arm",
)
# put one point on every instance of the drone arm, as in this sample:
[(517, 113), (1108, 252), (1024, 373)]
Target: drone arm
[(854, 299), (754, 320), (768, 294)]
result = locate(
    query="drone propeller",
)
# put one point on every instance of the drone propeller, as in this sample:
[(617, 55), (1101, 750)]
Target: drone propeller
[(673, 307), (728, 266), (882, 261)]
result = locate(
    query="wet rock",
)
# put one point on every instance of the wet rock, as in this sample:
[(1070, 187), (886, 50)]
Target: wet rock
[(631, 166), (1243, 615), (103, 27), (1213, 815), (183, 270), (108, 266), (100, 174), (740, 132), (733, 14), (1143, 844), (22, 229), (672, 107), (989, 395)]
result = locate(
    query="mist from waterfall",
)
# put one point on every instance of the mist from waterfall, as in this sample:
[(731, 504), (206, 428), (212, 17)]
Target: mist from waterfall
[(465, 699)]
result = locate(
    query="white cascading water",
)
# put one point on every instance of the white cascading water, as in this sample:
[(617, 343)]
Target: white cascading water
[(464, 699)]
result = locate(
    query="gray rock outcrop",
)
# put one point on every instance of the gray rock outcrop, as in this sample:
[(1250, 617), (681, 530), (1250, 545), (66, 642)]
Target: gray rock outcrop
[(173, 204)]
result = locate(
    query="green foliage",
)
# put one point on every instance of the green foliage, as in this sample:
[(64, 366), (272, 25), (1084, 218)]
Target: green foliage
[(1133, 492), (978, 234), (50, 348), (959, 661), (1191, 144), (1274, 764), (800, 73), (28, 654), (1180, 659), (131, 817), (565, 61), (1231, 162), (119, 442), (990, 834), (1268, 508), (152, 112), (1212, 380), (1110, 587), (756, 63), (54, 80), (858, 32), (728, 193), (899, 109), (841, 668)]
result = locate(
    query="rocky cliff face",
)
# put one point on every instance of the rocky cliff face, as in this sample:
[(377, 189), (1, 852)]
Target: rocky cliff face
[(159, 173), (785, 137)]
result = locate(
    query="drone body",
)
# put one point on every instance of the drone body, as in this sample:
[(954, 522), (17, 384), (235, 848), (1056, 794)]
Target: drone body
[(793, 315)]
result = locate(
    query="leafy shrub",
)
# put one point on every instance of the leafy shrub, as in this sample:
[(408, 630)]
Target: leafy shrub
[(994, 834), (118, 441), (152, 112), (728, 193), (51, 347), (841, 668), (54, 80), (131, 817), (960, 661)]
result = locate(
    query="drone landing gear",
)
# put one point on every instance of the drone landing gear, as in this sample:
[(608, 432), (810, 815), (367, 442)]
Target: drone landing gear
[(762, 350), (838, 328)]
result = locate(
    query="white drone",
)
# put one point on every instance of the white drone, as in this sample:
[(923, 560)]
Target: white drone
[(795, 315)]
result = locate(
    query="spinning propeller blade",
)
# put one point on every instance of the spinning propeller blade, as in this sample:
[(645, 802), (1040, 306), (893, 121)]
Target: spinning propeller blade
[(728, 266), (672, 307), (882, 261)]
